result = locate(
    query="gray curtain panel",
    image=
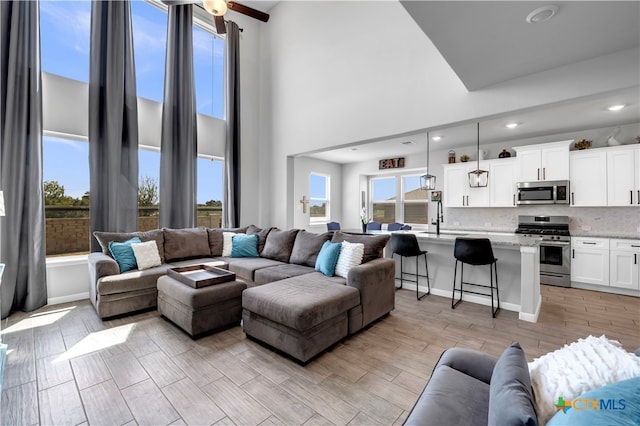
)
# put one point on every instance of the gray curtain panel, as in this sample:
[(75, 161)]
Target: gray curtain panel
[(179, 134), (231, 202), (22, 237), (113, 121)]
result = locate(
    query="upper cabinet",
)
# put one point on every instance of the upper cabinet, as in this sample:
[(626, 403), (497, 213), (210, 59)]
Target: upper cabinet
[(549, 161), (457, 192), (502, 183), (623, 176), (588, 178)]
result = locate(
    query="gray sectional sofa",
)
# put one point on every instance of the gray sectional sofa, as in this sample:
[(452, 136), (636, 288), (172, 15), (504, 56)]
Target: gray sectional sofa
[(288, 305)]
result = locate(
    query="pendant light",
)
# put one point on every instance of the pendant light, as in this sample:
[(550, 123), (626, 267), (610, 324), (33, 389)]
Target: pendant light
[(427, 181), (478, 178)]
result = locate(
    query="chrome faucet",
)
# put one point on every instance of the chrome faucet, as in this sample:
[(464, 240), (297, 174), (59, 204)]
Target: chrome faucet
[(439, 217)]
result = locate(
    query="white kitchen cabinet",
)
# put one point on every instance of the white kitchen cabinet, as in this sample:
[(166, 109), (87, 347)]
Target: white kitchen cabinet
[(590, 260), (502, 183), (548, 161), (588, 183), (624, 263), (457, 192), (623, 176)]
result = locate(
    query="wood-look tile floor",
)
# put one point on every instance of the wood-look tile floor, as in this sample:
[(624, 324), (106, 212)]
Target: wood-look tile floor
[(67, 367)]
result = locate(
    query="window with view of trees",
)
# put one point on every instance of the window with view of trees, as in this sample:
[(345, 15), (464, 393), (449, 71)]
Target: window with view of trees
[(319, 198), (65, 30)]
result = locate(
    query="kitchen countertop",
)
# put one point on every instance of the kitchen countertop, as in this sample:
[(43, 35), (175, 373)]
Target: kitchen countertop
[(620, 236), (497, 238)]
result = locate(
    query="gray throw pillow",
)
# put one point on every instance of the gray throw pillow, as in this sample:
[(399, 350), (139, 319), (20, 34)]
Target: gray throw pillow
[(373, 244), (104, 238), (185, 243), (216, 241), (262, 235), (510, 396), (307, 246), (279, 244)]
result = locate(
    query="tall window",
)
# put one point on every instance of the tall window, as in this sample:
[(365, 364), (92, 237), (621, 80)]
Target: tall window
[(414, 200), (149, 48), (383, 195), (65, 28), (208, 57), (210, 181), (319, 190), (66, 195), (148, 187)]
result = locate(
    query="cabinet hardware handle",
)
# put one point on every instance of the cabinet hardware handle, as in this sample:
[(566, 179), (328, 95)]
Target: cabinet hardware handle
[(638, 197), (634, 245), (635, 259), (573, 198), (538, 173), (463, 200), (630, 197), (544, 173), (589, 242), (514, 199), (573, 253)]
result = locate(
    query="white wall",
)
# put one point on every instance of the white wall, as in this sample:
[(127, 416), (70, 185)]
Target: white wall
[(332, 75)]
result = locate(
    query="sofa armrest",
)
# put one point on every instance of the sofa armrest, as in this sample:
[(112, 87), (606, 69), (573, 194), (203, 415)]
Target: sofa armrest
[(472, 363), (100, 265), (376, 283)]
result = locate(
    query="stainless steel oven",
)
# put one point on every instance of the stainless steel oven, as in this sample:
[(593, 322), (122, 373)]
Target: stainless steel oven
[(555, 247)]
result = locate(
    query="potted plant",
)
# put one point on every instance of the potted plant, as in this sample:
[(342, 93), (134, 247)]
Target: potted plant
[(364, 219)]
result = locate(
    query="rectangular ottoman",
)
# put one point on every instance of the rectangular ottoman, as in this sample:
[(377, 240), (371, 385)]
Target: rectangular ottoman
[(300, 316), (200, 310)]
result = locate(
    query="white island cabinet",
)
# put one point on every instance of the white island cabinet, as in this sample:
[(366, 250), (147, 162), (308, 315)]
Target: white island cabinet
[(590, 260), (549, 161)]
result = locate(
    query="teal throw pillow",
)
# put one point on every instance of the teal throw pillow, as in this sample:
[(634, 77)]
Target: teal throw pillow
[(244, 245), (328, 258), (123, 254)]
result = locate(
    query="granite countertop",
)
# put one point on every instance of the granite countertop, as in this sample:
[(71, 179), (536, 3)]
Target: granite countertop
[(617, 235), (497, 238)]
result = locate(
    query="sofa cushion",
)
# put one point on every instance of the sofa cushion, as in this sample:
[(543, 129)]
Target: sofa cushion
[(279, 244), (131, 280), (351, 255), (185, 243), (146, 254), (246, 267), (510, 397), (451, 398), (280, 272), (198, 298), (199, 261), (104, 238), (373, 244), (300, 302), (215, 241), (243, 245), (307, 246), (262, 235)]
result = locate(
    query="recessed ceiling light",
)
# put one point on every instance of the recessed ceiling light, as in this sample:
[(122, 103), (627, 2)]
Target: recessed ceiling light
[(511, 125), (542, 14), (436, 138), (408, 143), (353, 149), (616, 107)]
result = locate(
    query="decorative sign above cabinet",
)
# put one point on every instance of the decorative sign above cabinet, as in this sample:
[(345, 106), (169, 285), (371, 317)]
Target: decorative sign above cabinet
[(391, 163)]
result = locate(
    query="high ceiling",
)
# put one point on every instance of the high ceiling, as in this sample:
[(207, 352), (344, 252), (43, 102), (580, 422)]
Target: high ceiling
[(487, 43)]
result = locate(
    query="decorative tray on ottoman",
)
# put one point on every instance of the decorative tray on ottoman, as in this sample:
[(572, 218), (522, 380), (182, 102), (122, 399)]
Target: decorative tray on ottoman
[(198, 276)]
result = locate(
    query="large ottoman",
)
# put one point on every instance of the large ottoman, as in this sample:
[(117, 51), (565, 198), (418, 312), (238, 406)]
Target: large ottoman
[(200, 310), (300, 316)]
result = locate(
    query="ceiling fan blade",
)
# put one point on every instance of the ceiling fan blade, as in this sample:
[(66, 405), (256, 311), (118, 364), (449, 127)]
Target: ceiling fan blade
[(221, 28), (249, 11)]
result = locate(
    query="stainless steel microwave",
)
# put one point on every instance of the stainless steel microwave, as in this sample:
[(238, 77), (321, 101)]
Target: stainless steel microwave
[(543, 192)]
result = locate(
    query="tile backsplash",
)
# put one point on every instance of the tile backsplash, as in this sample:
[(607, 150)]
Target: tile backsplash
[(583, 220)]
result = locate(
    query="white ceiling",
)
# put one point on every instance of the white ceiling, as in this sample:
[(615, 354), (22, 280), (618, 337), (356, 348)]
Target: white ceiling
[(489, 42), (262, 5)]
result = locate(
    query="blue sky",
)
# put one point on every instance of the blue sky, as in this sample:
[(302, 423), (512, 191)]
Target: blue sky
[(65, 31)]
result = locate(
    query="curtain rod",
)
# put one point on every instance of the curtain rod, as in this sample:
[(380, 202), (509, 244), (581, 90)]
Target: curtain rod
[(226, 20)]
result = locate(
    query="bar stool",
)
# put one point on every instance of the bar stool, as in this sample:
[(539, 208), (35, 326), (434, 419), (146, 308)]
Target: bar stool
[(406, 245), (475, 251), (395, 226)]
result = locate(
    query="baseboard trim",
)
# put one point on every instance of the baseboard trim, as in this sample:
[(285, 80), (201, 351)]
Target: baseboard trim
[(531, 317), (68, 298)]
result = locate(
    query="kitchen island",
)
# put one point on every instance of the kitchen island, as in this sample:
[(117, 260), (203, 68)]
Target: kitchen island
[(518, 269)]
